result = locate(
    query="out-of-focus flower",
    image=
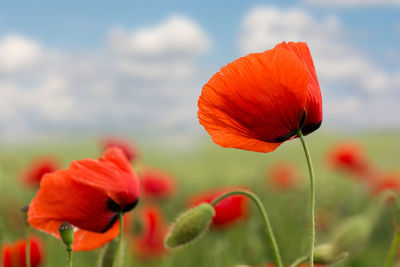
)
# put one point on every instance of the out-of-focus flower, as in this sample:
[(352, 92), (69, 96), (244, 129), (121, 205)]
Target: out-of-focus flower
[(349, 156), (130, 150), (89, 195), (150, 242), (14, 254), (282, 176), (33, 173), (157, 184), (259, 101), (231, 209), (387, 181)]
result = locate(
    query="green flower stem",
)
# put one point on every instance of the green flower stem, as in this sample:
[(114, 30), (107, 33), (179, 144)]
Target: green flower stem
[(28, 245), (69, 257), (118, 250), (264, 214), (393, 248), (312, 201), (299, 261)]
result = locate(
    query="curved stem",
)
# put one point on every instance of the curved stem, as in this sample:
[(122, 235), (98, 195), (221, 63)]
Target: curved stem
[(69, 257), (312, 199), (28, 245), (264, 214), (299, 261), (117, 251), (393, 249)]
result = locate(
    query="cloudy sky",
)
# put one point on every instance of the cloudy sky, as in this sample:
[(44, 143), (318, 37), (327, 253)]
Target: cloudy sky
[(138, 67)]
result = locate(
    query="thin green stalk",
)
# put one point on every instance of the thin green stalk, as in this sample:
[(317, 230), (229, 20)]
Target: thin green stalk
[(264, 214), (312, 199), (28, 245), (299, 261), (393, 248), (69, 257), (117, 252)]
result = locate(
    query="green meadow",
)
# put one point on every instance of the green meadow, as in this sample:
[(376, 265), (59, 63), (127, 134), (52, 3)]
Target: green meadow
[(206, 165)]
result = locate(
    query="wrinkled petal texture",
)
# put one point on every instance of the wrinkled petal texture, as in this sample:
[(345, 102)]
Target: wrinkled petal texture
[(79, 196), (258, 101)]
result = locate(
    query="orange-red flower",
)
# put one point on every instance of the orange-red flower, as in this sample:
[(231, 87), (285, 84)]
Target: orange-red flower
[(348, 156), (157, 184), (282, 176), (387, 181), (231, 209), (88, 195), (14, 254), (33, 173), (259, 101), (131, 151), (150, 243)]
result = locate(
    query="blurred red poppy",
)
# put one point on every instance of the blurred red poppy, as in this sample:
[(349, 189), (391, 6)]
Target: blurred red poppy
[(349, 156), (387, 181), (130, 150), (282, 176), (259, 101), (89, 196), (157, 184), (14, 254), (150, 242), (33, 173), (231, 209)]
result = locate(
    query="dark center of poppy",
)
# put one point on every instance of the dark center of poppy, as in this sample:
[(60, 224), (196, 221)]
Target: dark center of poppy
[(115, 207)]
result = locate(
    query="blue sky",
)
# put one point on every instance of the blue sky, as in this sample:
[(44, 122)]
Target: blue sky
[(139, 65)]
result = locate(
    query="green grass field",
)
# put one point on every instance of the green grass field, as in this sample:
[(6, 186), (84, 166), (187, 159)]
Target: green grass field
[(206, 165)]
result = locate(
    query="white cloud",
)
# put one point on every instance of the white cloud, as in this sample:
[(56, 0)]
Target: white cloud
[(18, 53), (344, 72), (353, 3)]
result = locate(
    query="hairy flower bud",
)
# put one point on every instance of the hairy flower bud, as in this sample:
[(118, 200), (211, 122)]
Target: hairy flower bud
[(190, 225), (325, 254)]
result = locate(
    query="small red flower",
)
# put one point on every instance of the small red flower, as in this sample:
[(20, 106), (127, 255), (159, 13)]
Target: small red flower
[(157, 184), (39, 167), (259, 101), (131, 151), (150, 243), (387, 181), (282, 176), (349, 156), (88, 195), (231, 209), (14, 254)]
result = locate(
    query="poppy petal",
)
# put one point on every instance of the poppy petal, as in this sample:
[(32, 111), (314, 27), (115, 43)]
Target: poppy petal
[(85, 240), (112, 175), (255, 101)]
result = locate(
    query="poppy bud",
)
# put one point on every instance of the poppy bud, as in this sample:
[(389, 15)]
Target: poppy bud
[(66, 231), (190, 225), (326, 254)]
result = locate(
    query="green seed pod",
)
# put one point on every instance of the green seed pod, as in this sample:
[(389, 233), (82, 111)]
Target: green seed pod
[(66, 231), (190, 225), (325, 254)]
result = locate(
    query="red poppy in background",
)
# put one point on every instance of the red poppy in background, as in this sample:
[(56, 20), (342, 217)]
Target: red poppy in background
[(89, 195), (231, 209), (130, 150), (349, 156), (157, 184), (150, 243), (33, 173), (387, 181), (282, 176), (260, 100), (14, 254)]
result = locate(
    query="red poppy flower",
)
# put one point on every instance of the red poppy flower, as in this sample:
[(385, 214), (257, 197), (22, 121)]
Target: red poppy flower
[(39, 167), (348, 156), (228, 210), (389, 180), (88, 195), (150, 243), (259, 101), (14, 254), (131, 152), (157, 184), (282, 176)]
